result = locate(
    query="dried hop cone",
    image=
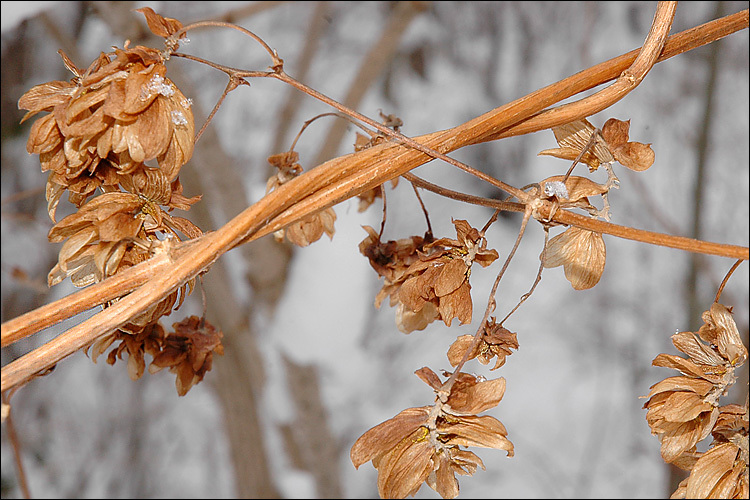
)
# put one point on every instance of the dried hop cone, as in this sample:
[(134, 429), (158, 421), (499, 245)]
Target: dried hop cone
[(435, 285), (424, 445), (106, 122), (684, 410), (311, 227)]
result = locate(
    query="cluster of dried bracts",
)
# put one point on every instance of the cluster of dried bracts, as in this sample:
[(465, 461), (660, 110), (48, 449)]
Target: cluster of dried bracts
[(115, 138), (684, 410)]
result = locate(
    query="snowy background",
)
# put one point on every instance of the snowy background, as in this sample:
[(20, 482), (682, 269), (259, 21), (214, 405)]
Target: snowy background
[(310, 364)]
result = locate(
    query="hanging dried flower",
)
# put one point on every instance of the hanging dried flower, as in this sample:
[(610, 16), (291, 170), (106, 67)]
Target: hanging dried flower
[(188, 352), (612, 145), (496, 341), (684, 410), (437, 285), (581, 253), (424, 445), (311, 227), (107, 122)]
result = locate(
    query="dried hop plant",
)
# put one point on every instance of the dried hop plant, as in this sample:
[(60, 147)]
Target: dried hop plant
[(424, 445), (311, 227), (496, 342), (612, 145), (435, 283), (684, 410), (107, 122)]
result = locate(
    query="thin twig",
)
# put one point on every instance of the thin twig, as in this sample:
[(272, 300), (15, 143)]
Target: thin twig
[(323, 186), (726, 279), (491, 303)]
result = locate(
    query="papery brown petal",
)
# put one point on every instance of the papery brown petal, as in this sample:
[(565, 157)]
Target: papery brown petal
[(471, 430), (136, 364), (457, 305), (464, 231), (429, 377), (697, 385), (45, 96), (409, 321), (581, 252), (119, 226), (386, 435), (458, 348), (185, 226), (44, 135), (478, 397), (467, 460), (729, 341), (684, 406), (635, 156), (403, 470), (576, 135), (690, 344), (75, 244), (678, 438), (709, 469), (159, 25), (682, 436), (686, 366), (729, 486), (616, 132), (443, 480), (452, 275)]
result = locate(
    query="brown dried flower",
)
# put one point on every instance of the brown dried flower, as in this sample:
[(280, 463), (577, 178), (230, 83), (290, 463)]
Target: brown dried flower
[(104, 234), (423, 445), (633, 155), (107, 122), (311, 227), (188, 352), (720, 472), (437, 285), (684, 410), (582, 254), (613, 145), (496, 341)]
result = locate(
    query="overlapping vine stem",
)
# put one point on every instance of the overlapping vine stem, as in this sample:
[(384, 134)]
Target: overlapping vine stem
[(174, 264)]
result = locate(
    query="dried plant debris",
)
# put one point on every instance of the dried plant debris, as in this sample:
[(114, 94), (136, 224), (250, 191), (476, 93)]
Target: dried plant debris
[(582, 254), (311, 227), (613, 144), (425, 444), (684, 410), (429, 281)]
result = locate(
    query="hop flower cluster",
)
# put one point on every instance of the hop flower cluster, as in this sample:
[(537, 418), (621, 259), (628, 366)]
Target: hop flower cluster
[(115, 138), (424, 445), (187, 351), (428, 280), (684, 410), (311, 227)]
